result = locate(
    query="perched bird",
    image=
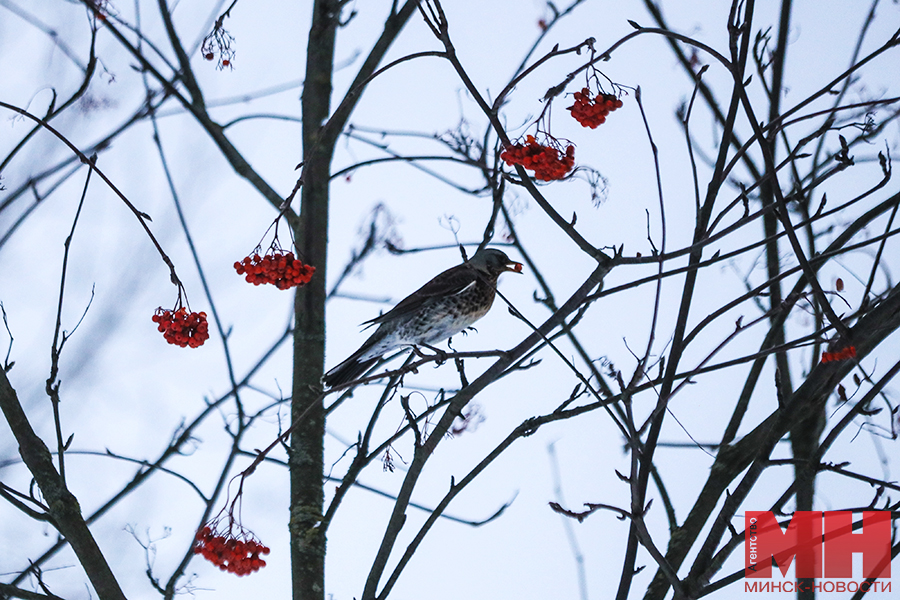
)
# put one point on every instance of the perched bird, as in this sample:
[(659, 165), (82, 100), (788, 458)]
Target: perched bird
[(446, 305)]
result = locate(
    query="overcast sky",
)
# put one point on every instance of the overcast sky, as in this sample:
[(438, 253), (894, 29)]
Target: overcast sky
[(125, 390)]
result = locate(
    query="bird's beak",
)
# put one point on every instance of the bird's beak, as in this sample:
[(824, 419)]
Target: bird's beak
[(514, 267)]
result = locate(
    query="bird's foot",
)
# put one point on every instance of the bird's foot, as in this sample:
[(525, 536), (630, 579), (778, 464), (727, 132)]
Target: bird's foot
[(439, 355)]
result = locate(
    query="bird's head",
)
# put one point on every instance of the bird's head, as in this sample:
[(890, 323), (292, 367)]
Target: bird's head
[(493, 262)]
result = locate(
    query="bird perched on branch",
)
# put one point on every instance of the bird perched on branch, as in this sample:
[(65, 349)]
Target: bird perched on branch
[(446, 305)]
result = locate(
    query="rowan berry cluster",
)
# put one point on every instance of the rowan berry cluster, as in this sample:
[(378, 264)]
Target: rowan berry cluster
[(547, 162), (224, 62), (218, 43), (280, 269), (240, 557), (592, 112), (848, 352), (181, 327)]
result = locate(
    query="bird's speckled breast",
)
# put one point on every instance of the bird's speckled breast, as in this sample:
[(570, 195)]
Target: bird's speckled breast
[(444, 319), (438, 320)]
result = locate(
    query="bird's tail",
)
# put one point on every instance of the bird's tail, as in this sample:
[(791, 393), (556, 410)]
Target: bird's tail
[(347, 371)]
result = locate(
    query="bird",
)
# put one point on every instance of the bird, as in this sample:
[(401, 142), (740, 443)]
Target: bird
[(446, 305)]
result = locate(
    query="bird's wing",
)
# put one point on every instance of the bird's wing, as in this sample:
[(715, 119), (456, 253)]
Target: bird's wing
[(450, 282)]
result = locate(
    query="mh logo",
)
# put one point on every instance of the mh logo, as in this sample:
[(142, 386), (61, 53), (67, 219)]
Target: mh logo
[(822, 544)]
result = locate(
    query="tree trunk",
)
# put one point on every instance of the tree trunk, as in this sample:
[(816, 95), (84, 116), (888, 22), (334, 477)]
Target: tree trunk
[(307, 442)]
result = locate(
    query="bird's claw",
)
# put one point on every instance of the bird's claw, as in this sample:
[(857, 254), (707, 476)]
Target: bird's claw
[(439, 355)]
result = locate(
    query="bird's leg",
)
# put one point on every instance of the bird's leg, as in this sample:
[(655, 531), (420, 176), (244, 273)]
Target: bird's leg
[(439, 355), (466, 330)]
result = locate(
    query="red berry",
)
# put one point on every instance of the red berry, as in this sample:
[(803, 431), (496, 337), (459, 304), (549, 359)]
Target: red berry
[(592, 112), (546, 161), (279, 269), (238, 556), (182, 328)]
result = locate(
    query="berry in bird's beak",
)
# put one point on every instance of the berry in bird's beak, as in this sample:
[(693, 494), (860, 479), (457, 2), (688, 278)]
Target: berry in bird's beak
[(514, 267)]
